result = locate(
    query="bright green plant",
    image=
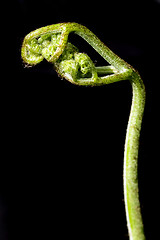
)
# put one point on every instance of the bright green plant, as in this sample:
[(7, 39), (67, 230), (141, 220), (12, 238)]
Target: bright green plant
[(51, 43)]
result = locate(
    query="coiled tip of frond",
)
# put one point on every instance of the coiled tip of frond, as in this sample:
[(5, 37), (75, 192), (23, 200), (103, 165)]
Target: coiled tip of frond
[(55, 48)]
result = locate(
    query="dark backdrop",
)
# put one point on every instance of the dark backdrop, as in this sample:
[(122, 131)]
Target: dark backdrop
[(62, 145)]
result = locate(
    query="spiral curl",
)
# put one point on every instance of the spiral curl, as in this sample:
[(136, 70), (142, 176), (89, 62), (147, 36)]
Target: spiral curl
[(71, 64)]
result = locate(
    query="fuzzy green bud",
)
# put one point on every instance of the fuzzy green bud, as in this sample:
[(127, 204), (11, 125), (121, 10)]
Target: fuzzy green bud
[(69, 68), (84, 61)]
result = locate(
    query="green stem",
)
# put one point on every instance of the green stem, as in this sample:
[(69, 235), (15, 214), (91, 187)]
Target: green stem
[(104, 70), (132, 204)]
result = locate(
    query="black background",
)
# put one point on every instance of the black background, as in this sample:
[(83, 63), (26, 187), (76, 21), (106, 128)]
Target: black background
[(62, 145)]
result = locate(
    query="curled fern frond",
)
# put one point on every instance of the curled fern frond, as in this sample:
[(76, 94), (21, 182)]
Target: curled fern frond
[(51, 43)]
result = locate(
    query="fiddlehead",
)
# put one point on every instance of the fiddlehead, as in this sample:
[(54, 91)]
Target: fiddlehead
[(51, 43), (68, 62)]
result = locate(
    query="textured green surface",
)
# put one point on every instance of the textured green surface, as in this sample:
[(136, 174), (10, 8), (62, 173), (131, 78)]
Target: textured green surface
[(51, 43)]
